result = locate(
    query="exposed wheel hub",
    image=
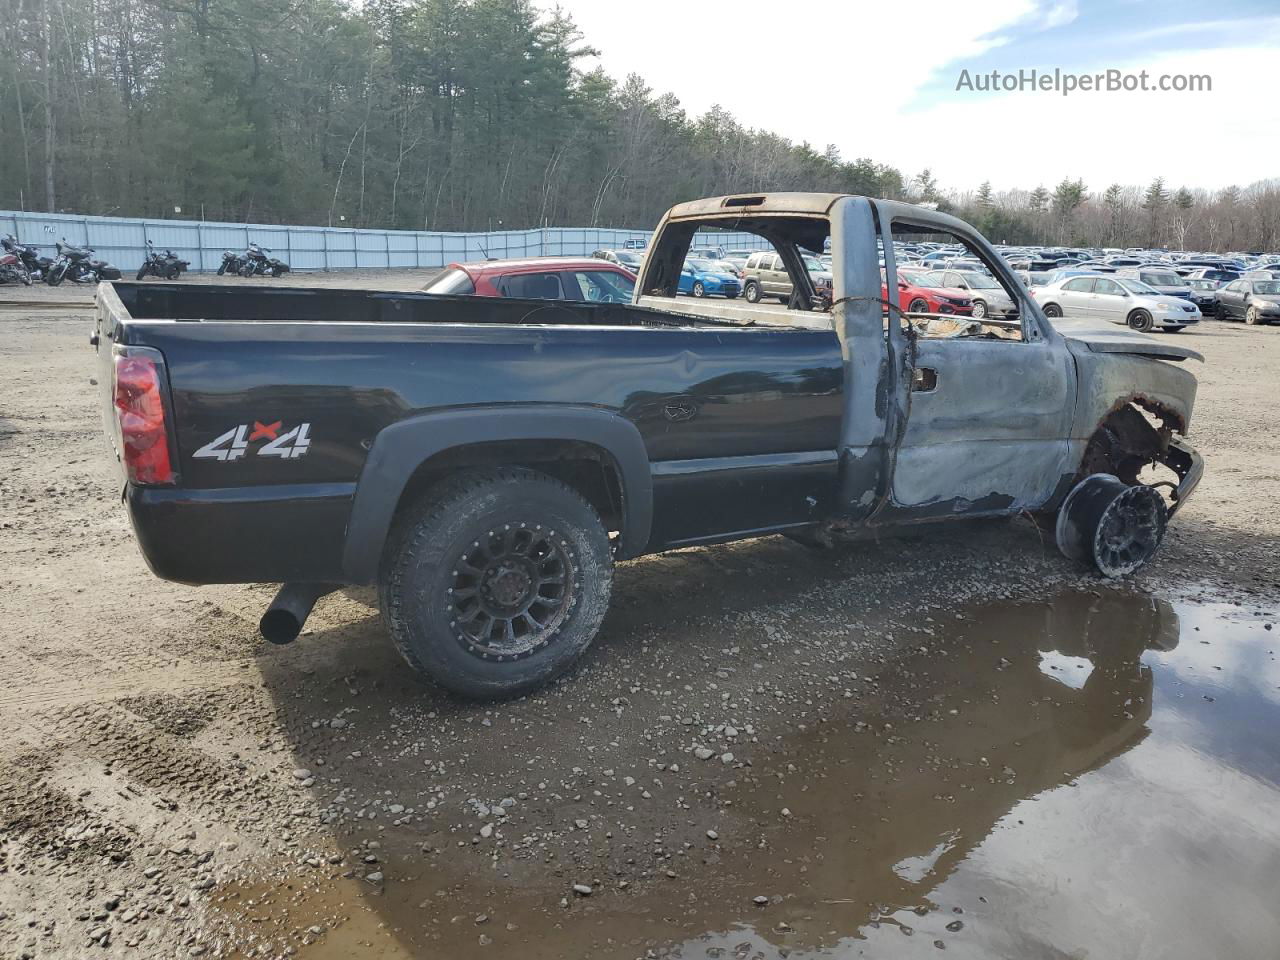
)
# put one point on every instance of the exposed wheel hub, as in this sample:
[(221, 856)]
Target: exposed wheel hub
[(1113, 525), (506, 585)]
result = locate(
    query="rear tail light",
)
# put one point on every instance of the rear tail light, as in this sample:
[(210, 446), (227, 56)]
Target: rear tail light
[(140, 417)]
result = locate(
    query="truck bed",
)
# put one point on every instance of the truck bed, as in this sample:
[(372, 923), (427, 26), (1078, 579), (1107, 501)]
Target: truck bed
[(716, 405), (171, 301)]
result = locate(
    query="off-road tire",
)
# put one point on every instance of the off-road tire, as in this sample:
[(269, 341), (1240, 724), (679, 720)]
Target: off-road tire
[(752, 292), (425, 555)]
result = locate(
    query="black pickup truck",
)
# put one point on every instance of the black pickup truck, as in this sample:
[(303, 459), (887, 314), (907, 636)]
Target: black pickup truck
[(485, 462)]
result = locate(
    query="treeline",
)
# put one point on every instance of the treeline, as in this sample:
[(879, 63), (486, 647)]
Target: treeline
[(424, 114), (438, 115), (1232, 219)]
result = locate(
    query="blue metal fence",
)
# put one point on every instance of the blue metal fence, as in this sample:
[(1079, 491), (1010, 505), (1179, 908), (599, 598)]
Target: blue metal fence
[(122, 241)]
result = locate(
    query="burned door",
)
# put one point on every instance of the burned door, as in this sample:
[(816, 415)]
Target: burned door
[(990, 406)]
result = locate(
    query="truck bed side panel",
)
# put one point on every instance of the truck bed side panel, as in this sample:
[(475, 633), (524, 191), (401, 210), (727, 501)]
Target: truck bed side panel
[(710, 404)]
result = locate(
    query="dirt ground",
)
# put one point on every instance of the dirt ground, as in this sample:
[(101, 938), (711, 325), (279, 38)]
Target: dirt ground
[(756, 721)]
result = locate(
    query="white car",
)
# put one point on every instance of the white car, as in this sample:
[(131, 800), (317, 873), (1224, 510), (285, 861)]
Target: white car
[(1118, 299)]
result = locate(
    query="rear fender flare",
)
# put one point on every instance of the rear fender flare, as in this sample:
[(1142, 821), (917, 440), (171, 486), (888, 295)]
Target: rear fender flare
[(400, 449)]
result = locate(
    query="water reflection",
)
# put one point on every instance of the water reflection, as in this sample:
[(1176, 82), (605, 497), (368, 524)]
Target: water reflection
[(1067, 808), (1094, 775)]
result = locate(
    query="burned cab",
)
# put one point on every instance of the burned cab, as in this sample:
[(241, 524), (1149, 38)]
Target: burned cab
[(948, 416)]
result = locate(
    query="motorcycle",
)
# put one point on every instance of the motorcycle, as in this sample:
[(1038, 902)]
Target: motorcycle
[(166, 265), (77, 265), (12, 270), (256, 263), (37, 267), (231, 262)]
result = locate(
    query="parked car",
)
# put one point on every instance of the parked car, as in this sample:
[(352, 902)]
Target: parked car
[(1220, 274), (766, 275), (707, 278), (540, 278), (924, 291), (1163, 279), (1253, 301), (1117, 299), (1033, 264), (627, 259), (729, 267), (707, 253), (1204, 295), (486, 463), (1036, 278), (989, 298)]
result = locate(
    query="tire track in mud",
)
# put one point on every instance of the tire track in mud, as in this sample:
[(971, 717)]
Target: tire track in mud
[(59, 691)]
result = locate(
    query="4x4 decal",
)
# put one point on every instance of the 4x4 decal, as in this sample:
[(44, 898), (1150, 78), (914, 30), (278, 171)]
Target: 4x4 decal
[(234, 444)]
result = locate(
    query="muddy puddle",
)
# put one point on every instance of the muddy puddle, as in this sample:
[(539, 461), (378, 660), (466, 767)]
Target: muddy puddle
[(1096, 775)]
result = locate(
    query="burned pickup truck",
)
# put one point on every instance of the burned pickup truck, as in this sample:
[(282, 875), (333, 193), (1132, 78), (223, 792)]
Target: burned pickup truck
[(485, 462)]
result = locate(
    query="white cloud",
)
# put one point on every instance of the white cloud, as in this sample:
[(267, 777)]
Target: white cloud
[(1060, 14), (843, 73)]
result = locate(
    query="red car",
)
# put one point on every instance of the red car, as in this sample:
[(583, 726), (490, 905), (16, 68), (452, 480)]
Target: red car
[(538, 278), (916, 298)]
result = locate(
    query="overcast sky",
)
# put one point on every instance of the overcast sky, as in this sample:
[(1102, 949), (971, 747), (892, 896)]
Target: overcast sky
[(879, 80)]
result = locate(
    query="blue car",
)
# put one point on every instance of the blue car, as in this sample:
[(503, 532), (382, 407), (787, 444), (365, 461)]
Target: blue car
[(703, 278)]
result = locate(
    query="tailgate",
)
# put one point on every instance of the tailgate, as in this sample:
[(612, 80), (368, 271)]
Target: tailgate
[(110, 320)]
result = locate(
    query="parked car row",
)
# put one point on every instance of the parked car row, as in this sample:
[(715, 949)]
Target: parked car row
[(1127, 288)]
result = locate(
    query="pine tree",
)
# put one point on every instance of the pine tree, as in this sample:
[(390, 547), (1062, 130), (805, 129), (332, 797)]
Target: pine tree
[(1154, 201)]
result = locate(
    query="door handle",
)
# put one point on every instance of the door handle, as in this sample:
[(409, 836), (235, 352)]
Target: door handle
[(924, 380)]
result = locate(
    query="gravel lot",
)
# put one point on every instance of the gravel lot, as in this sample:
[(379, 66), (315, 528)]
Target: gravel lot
[(170, 786)]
